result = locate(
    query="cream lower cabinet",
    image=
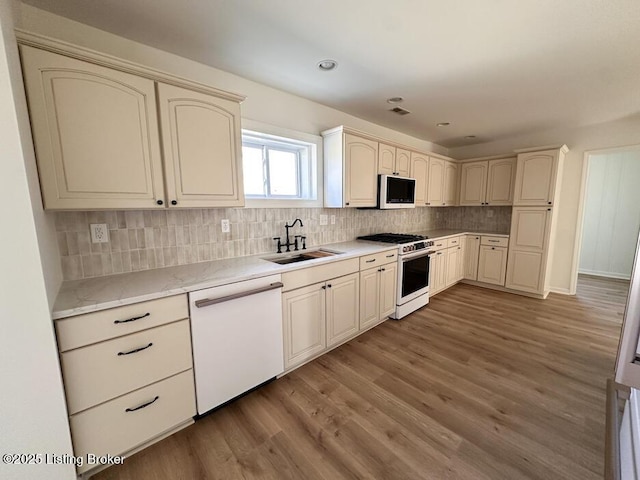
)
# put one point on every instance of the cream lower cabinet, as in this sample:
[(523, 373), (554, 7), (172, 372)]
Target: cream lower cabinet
[(128, 375), (471, 255), (529, 249), (454, 261), (351, 169), (97, 138), (437, 272), (492, 265), (319, 316), (377, 294)]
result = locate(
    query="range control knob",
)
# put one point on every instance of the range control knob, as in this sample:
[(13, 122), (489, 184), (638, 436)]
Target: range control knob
[(404, 249)]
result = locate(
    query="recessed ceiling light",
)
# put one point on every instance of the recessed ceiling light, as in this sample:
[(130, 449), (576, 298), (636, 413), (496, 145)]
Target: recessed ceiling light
[(395, 100), (469, 137), (327, 65), (443, 124)]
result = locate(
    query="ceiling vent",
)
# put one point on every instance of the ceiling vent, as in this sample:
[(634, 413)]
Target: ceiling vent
[(400, 111)]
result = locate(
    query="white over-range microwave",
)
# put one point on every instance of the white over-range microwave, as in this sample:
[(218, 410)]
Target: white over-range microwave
[(396, 192)]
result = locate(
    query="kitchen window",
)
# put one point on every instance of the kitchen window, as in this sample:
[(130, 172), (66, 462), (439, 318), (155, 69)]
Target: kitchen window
[(278, 170)]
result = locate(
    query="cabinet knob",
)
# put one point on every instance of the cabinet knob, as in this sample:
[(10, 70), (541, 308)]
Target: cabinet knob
[(549, 203), (159, 202), (442, 203), (428, 203), (174, 202), (548, 209), (329, 285), (324, 288), (347, 203), (493, 248), (382, 269)]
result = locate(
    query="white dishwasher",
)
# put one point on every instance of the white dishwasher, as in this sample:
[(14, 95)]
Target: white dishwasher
[(237, 339)]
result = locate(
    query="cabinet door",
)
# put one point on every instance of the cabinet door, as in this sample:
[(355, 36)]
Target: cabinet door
[(472, 252), (461, 258), (450, 183), (304, 323), (201, 138), (388, 289), (438, 272), (453, 258), (473, 183), (403, 162), (500, 181), (529, 228), (535, 178), (435, 189), (386, 159), (369, 304), (492, 265), (525, 271), (360, 168), (95, 134), (420, 171), (342, 308)]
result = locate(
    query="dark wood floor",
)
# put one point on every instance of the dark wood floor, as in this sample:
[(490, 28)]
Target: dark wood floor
[(479, 385)]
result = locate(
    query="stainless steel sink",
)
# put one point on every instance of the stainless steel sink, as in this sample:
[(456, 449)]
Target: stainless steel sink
[(287, 258)]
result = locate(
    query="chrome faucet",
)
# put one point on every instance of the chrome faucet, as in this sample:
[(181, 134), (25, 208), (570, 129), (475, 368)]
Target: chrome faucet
[(288, 243)]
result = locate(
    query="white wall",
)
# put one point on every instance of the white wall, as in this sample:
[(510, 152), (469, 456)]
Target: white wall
[(623, 132), (264, 104), (34, 417), (611, 214)]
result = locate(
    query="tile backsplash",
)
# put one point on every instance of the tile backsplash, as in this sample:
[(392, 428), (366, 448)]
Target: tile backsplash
[(142, 240), (488, 219)]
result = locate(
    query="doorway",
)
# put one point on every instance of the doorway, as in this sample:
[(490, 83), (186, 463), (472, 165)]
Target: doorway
[(611, 216)]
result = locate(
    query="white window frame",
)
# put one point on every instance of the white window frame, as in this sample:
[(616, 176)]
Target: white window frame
[(271, 132)]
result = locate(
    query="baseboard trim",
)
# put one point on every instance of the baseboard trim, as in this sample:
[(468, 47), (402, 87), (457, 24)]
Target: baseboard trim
[(597, 273), (561, 291)]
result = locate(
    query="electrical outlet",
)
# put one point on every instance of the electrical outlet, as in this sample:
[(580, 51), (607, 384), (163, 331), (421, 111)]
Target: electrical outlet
[(490, 214), (226, 228), (324, 219), (99, 233), (333, 219)]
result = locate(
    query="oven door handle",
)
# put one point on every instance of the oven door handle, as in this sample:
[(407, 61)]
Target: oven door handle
[(420, 253)]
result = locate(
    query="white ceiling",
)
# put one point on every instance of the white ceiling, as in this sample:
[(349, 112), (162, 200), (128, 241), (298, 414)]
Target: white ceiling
[(493, 68)]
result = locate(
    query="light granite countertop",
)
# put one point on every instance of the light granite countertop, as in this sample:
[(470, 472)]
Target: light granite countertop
[(89, 295)]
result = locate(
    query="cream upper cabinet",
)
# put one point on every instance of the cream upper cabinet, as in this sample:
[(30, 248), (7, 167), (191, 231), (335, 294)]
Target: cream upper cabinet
[(471, 254), (393, 161), (386, 159), (342, 308), (487, 182), (500, 181), (473, 183), (529, 249), (351, 169), (420, 171), (492, 265), (435, 188), (98, 145), (450, 184), (537, 176), (403, 162), (95, 133), (201, 138)]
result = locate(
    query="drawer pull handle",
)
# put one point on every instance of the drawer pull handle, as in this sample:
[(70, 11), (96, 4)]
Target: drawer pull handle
[(494, 241), (205, 302), (132, 319), (142, 406), (370, 261), (134, 351), (391, 256)]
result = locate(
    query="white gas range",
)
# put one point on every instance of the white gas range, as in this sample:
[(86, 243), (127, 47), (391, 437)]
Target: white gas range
[(413, 270)]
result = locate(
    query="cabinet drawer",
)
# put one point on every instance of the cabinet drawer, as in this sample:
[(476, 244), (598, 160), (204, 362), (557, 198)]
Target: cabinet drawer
[(111, 429), (100, 372), (95, 327), (376, 259), (494, 241), (320, 273), (440, 243), (453, 242)]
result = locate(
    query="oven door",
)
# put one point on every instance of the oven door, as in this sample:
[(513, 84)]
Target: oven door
[(413, 276)]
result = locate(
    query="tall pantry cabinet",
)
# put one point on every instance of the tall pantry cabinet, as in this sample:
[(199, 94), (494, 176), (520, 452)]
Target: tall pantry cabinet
[(533, 222)]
